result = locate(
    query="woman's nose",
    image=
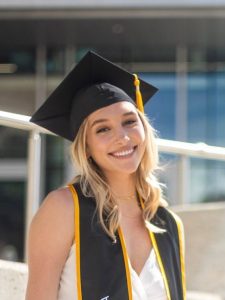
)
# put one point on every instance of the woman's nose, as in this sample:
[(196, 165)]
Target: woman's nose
[(122, 136)]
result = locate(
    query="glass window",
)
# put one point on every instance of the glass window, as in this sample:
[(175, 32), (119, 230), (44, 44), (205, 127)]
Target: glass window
[(55, 61), (206, 108), (17, 80), (54, 164), (12, 218), (206, 179), (17, 61), (13, 154), (13, 143), (161, 108)]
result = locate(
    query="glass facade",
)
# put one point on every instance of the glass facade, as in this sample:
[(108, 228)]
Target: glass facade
[(206, 181), (55, 61), (54, 163), (13, 149), (21, 60), (205, 119), (12, 219), (13, 143), (17, 79), (206, 108), (161, 109)]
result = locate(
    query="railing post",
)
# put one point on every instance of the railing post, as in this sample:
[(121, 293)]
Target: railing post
[(181, 94), (33, 180), (183, 180)]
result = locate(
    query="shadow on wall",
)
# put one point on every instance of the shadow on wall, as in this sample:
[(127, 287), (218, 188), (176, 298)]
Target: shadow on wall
[(13, 280), (204, 226)]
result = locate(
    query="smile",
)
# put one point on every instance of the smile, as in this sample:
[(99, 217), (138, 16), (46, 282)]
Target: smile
[(125, 153)]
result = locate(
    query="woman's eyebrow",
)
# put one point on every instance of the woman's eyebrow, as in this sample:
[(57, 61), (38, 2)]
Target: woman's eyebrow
[(99, 121), (129, 113), (105, 120)]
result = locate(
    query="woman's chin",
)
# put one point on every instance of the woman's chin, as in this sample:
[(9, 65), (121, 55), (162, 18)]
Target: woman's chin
[(123, 171)]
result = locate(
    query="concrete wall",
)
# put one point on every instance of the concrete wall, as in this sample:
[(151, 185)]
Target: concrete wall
[(13, 280), (205, 246)]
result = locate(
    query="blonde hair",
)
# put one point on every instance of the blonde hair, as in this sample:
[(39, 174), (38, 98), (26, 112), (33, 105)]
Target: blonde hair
[(93, 182)]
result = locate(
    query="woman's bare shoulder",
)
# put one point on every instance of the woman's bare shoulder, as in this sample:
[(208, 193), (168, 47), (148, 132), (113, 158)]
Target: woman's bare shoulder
[(50, 238), (57, 204), (58, 199), (54, 221)]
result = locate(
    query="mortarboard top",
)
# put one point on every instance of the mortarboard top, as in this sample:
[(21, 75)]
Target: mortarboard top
[(92, 84)]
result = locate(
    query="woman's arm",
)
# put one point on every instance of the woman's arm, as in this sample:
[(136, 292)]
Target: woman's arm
[(50, 238)]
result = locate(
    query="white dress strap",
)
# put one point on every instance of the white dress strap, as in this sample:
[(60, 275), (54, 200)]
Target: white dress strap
[(68, 281)]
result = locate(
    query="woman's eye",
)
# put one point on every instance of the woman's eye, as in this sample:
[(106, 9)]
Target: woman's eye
[(130, 122), (103, 129)]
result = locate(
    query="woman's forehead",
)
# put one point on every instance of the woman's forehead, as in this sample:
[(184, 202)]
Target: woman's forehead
[(116, 109)]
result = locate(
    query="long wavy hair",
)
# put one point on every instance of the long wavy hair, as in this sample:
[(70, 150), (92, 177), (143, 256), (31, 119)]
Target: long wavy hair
[(94, 184)]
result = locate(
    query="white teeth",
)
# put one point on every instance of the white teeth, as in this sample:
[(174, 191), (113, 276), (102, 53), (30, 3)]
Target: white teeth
[(123, 153)]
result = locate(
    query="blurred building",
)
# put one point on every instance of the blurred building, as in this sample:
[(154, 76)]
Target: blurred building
[(177, 46)]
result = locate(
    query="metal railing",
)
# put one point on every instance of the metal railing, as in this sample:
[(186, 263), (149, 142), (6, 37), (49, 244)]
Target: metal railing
[(184, 150)]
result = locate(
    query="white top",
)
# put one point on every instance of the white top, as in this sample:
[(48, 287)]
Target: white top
[(148, 285)]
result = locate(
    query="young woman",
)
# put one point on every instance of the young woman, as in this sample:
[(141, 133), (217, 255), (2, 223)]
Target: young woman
[(107, 235)]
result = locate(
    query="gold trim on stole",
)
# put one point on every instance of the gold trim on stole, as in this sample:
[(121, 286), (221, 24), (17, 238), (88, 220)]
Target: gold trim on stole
[(125, 256), (159, 259), (182, 252), (77, 238)]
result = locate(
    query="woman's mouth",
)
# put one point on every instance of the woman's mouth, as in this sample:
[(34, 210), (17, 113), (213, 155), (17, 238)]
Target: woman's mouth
[(124, 153)]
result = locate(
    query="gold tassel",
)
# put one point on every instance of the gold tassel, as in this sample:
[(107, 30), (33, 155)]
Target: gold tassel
[(139, 101)]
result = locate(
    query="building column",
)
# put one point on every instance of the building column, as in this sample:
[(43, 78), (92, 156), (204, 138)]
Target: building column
[(70, 54), (182, 122)]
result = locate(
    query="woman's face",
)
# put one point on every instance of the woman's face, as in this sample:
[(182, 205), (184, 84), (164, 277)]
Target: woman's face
[(116, 138)]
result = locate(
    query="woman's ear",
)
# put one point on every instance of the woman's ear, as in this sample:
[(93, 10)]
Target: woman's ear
[(88, 153)]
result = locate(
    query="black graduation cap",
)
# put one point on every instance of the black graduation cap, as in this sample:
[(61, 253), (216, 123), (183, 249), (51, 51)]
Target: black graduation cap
[(92, 84)]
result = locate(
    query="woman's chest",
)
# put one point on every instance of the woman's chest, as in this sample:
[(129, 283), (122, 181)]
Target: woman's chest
[(138, 243)]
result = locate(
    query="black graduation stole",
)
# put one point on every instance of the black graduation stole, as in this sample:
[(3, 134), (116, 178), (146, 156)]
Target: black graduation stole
[(102, 268)]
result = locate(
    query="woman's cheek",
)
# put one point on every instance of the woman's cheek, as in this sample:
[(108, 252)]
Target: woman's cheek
[(142, 132), (104, 140), (100, 145), (139, 132)]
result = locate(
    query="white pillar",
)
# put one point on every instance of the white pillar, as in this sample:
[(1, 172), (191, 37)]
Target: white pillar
[(70, 53), (182, 121), (33, 181), (181, 94)]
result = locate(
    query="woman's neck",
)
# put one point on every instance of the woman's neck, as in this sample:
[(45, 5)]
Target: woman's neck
[(123, 188), (122, 185)]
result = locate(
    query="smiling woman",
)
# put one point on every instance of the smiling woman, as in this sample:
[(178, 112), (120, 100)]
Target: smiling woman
[(114, 140), (108, 234)]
